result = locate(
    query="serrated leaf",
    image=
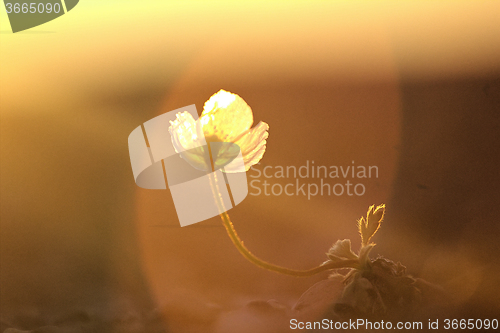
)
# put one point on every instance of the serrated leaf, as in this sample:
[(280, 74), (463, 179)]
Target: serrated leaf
[(341, 250), (369, 226)]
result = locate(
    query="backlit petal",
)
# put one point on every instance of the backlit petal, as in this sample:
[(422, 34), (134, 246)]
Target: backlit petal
[(225, 117), (189, 142), (252, 145)]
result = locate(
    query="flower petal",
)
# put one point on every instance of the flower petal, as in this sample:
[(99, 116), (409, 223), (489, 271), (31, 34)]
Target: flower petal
[(225, 117), (252, 145), (189, 142), (184, 132)]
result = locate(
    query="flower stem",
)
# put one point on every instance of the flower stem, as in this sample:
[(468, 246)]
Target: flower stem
[(259, 262)]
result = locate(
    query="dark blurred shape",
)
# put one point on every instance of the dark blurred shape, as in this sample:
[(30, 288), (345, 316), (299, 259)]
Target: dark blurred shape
[(444, 211), (448, 178)]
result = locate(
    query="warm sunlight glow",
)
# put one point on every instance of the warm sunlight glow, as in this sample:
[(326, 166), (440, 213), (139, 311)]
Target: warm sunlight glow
[(226, 117)]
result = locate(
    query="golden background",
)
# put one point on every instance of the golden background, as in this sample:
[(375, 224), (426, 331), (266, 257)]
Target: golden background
[(412, 87)]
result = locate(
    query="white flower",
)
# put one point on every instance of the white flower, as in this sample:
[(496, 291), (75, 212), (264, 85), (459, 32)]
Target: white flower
[(226, 118)]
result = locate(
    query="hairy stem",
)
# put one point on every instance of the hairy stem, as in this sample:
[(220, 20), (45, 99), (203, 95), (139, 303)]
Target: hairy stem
[(259, 262)]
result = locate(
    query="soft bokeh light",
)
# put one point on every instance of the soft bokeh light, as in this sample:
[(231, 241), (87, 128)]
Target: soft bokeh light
[(409, 86)]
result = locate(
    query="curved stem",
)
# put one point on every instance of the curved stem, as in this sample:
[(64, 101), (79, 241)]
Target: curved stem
[(259, 262)]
